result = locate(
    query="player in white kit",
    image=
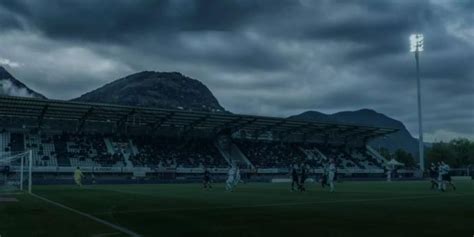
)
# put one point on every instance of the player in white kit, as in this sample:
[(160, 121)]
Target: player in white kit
[(441, 171), (233, 178), (445, 177), (237, 176), (331, 175)]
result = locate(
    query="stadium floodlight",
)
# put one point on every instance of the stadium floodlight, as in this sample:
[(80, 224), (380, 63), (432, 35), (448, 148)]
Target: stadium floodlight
[(416, 43), (416, 46)]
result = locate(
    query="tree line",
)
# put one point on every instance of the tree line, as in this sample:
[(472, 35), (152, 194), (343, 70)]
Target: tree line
[(457, 153)]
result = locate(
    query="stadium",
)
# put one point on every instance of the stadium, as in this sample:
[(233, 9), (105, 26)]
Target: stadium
[(148, 163), (249, 118)]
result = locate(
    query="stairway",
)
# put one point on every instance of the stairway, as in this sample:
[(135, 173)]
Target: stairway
[(128, 163), (375, 154), (234, 154), (224, 153), (126, 152), (133, 147), (110, 147)]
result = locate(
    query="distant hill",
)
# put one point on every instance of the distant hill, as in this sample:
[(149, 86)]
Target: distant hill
[(9, 85), (401, 139), (170, 90)]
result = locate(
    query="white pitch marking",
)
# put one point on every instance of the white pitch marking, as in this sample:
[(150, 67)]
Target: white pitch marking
[(8, 199), (14, 193), (276, 204), (106, 234), (114, 226)]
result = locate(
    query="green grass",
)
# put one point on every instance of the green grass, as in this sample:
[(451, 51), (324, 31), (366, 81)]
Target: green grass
[(356, 209)]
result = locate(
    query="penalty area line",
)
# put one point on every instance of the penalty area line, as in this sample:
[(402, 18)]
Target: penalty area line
[(104, 222)]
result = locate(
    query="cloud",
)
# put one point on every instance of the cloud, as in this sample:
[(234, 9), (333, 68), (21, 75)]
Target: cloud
[(277, 58), (10, 63), (60, 70), (8, 88), (446, 135)]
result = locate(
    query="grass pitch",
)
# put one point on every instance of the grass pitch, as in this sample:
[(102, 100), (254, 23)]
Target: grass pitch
[(263, 209)]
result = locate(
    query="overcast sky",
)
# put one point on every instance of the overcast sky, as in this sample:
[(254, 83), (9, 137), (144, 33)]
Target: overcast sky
[(268, 57)]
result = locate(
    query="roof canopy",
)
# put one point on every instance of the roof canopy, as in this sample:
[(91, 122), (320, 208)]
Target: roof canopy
[(42, 109)]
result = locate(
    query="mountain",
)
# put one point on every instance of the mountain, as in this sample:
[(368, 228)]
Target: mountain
[(170, 90), (398, 140), (9, 85)]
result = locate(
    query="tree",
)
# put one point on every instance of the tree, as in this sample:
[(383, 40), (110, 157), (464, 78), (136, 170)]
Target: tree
[(385, 153), (460, 147), (441, 152), (405, 158), (458, 153)]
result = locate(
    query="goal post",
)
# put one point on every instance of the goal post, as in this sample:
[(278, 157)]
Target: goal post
[(30, 170), (16, 172)]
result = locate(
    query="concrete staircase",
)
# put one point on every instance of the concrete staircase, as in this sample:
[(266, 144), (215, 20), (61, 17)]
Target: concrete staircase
[(375, 153), (133, 148), (110, 147), (128, 163), (126, 153), (234, 154)]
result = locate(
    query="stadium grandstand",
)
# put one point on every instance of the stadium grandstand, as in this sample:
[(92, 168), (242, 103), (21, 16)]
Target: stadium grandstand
[(120, 143)]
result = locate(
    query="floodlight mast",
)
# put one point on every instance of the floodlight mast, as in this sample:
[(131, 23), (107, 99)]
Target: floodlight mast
[(416, 46)]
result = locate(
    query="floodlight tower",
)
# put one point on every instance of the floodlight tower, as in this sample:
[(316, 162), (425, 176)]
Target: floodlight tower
[(416, 46)]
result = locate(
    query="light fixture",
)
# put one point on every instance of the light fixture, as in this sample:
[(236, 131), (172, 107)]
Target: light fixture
[(416, 42)]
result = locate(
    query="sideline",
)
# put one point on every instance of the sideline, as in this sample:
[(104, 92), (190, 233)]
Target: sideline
[(114, 226)]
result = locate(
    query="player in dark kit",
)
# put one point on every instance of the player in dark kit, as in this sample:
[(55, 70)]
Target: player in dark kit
[(324, 180), (206, 182), (449, 181), (294, 179), (303, 177), (433, 175), (4, 171)]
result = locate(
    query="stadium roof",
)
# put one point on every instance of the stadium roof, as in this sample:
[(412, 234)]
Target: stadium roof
[(42, 109)]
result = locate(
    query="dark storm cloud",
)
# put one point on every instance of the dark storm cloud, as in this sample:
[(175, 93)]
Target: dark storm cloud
[(158, 27), (258, 56), (92, 20), (8, 21)]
